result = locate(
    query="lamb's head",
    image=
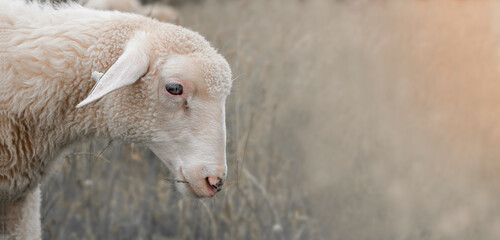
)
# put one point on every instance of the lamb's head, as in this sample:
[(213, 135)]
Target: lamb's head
[(191, 137), (177, 108)]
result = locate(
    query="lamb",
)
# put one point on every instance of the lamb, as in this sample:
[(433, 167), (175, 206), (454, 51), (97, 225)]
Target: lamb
[(71, 73)]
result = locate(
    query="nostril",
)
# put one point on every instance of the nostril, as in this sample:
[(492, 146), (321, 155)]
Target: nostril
[(215, 182), (210, 183)]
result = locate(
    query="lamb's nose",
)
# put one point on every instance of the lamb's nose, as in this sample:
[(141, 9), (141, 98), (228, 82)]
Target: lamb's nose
[(215, 182)]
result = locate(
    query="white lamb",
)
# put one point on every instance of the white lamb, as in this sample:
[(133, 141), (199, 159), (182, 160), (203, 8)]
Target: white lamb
[(157, 83)]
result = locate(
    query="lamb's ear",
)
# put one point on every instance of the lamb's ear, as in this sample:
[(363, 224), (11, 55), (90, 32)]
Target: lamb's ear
[(129, 67)]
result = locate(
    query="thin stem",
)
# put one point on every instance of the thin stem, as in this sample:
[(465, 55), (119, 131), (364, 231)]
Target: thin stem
[(173, 180)]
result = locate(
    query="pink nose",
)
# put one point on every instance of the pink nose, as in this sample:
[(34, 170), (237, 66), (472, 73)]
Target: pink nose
[(215, 182)]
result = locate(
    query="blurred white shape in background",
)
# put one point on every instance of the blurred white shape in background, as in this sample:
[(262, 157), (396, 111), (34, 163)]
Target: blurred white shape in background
[(157, 11)]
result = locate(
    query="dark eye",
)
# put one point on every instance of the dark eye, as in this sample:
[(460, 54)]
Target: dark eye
[(174, 88)]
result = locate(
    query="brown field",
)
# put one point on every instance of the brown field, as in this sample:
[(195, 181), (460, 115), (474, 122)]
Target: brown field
[(362, 119)]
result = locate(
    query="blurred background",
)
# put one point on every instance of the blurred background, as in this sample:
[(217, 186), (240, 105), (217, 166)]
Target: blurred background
[(359, 119)]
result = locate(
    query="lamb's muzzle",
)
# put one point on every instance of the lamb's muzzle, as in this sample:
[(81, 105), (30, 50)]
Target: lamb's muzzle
[(209, 188)]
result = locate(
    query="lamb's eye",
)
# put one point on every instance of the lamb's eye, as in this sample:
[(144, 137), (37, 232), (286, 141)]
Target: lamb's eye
[(174, 88)]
